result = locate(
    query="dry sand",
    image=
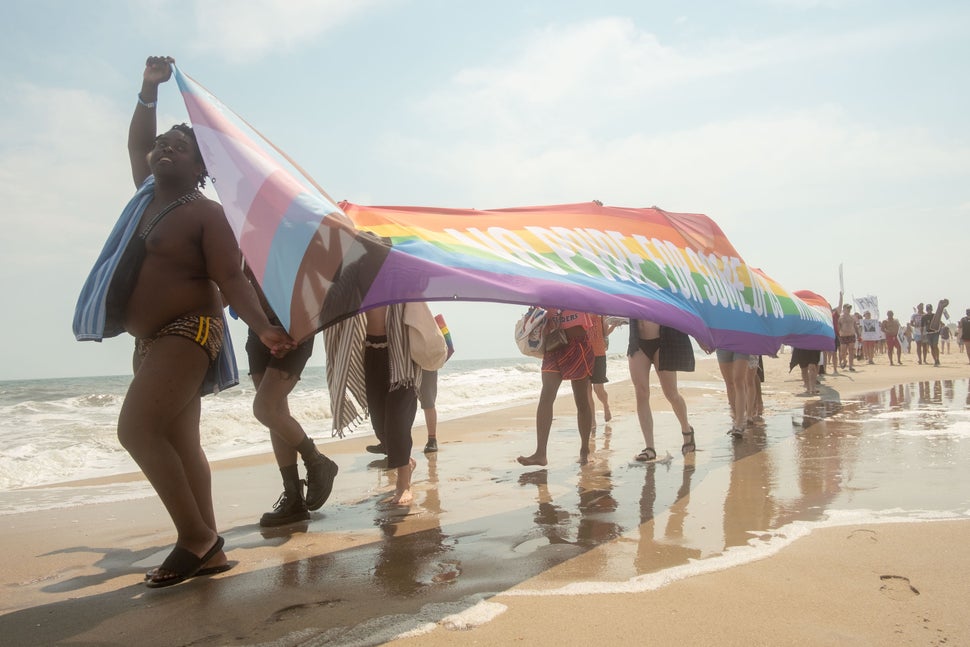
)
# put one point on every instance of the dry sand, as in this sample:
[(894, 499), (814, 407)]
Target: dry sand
[(484, 528)]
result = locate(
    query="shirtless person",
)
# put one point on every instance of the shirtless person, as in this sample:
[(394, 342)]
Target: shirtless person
[(174, 311), (847, 337), (890, 327)]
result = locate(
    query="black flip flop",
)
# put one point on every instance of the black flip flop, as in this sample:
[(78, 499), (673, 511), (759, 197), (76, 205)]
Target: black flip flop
[(184, 564), (202, 572)]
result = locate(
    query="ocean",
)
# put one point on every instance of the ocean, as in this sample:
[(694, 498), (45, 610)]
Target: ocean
[(59, 430)]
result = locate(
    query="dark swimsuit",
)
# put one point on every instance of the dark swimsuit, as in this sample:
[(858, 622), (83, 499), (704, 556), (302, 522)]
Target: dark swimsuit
[(649, 346)]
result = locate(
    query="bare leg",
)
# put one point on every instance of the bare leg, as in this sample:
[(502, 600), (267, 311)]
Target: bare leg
[(668, 383), (604, 397), (739, 376), (547, 398), (158, 426), (727, 372), (584, 415), (189, 449), (431, 422), (270, 406), (402, 486), (640, 376)]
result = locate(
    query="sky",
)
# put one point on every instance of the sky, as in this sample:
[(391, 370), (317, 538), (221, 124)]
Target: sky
[(816, 133)]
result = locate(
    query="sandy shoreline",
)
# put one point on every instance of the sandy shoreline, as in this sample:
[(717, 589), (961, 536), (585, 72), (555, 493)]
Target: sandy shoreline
[(72, 575)]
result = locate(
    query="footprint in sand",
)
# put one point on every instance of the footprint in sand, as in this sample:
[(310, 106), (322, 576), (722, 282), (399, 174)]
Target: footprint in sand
[(897, 587), (863, 534), (298, 610)]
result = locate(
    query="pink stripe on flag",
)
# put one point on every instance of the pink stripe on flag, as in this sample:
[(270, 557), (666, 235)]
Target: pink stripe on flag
[(266, 212)]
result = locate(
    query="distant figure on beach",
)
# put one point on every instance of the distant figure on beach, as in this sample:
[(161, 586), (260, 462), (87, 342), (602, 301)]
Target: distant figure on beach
[(931, 335), (945, 335), (573, 362), (274, 378), (919, 334), (871, 335), (392, 382), (847, 337), (832, 356), (168, 278), (667, 350), (964, 333), (427, 398), (908, 337), (890, 328)]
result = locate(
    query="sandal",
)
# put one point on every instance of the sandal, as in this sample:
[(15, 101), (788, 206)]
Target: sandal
[(648, 454), (736, 432), (688, 447)]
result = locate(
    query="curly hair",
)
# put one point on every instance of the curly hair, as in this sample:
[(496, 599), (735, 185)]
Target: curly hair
[(186, 130)]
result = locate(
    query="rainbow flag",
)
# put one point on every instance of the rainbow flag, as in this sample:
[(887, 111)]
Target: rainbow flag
[(320, 262)]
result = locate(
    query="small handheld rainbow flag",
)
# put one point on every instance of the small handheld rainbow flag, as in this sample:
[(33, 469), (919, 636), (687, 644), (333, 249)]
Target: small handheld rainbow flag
[(447, 333)]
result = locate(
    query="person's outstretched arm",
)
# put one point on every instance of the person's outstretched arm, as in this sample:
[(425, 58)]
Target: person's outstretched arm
[(142, 131)]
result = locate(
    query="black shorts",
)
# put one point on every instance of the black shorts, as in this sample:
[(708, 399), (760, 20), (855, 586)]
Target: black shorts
[(599, 370), (428, 393), (260, 358)]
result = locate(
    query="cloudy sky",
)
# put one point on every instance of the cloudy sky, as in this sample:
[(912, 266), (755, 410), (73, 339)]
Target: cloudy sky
[(815, 132)]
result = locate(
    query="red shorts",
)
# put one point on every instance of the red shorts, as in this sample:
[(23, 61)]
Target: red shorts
[(573, 361)]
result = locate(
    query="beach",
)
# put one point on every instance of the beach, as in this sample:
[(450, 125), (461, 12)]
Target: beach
[(844, 519)]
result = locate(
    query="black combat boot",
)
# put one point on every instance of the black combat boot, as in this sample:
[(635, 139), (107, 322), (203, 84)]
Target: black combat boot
[(320, 473), (289, 508)]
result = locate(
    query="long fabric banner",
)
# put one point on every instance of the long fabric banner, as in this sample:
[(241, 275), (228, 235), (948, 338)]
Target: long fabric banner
[(319, 262)]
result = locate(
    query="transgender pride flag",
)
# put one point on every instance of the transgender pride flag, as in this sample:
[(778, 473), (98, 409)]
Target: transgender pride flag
[(319, 262)]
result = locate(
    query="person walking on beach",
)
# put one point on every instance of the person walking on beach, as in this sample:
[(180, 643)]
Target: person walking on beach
[(599, 332), (965, 333), (890, 328), (918, 334), (163, 281), (870, 337), (573, 362), (847, 336), (931, 336), (739, 371), (274, 378), (832, 356), (667, 350), (392, 382), (807, 361), (427, 397)]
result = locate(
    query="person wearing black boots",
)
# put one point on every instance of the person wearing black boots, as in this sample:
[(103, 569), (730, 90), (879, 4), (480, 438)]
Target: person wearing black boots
[(275, 378)]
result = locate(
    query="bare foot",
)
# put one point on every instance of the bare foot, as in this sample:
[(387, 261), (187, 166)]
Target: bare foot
[(535, 459), (607, 415), (402, 491)]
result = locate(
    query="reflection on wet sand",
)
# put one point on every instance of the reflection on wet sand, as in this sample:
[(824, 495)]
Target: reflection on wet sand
[(361, 570), (652, 553)]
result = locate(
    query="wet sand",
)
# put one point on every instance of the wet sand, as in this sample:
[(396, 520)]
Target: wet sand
[(843, 519)]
